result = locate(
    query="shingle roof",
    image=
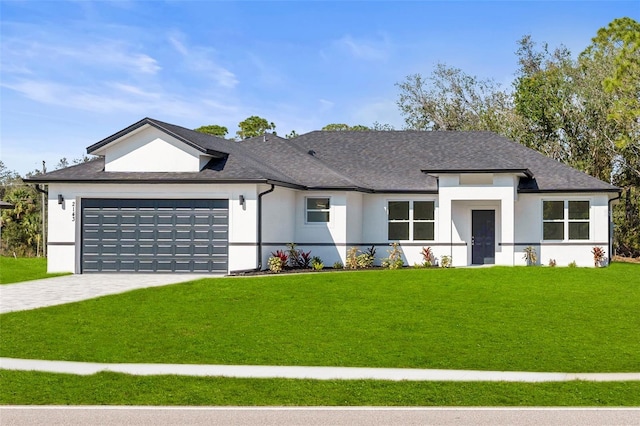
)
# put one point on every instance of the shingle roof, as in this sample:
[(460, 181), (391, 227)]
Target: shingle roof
[(376, 161)]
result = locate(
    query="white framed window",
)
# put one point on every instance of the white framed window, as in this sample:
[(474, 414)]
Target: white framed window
[(411, 220), (318, 210), (565, 220)]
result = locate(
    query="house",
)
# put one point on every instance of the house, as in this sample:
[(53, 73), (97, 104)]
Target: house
[(163, 198)]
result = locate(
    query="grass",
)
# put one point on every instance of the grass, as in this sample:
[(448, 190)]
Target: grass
[(32, 388), (529, 319), (14, 270)]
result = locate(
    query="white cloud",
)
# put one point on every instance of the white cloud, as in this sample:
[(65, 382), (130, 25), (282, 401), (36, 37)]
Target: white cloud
[(200, 59), (368, 50), (325, 105)]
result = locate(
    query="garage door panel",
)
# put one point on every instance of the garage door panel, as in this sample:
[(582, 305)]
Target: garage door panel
[(154, 235)]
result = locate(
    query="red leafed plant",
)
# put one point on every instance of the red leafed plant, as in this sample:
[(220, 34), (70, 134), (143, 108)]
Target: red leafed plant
[(282, 255), (598, 256)]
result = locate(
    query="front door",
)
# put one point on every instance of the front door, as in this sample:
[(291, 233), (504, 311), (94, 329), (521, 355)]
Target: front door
[(483, 237)]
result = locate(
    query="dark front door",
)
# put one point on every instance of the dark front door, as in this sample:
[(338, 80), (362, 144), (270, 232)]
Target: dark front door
[(483, 237)]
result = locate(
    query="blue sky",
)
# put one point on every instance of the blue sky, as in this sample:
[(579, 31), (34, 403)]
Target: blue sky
[(73, 73)]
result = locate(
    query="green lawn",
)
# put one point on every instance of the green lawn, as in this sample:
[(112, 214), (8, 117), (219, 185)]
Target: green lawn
[(14, 270), (531, 319), (31, 388)]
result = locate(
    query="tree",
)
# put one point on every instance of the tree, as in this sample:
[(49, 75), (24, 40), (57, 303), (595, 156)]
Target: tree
[(382, 127), (450, 99), (21, 225), (292, 134), (586, 113), (341, 127), (254, 126), (213, 129)]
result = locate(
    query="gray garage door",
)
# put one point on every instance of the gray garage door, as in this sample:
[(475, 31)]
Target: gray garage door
[(154, 235)]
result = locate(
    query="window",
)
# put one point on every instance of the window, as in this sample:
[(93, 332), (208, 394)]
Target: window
[(318, 210), (560, 218), (411, 220)]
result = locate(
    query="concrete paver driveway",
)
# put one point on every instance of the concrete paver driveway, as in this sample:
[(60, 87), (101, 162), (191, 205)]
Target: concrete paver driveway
[(73, 288)]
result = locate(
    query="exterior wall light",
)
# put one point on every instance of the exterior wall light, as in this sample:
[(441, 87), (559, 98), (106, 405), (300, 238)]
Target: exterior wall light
[(60, 199), (242, 200)]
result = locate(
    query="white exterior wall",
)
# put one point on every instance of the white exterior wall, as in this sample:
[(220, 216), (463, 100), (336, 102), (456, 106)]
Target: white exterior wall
[(457, 200), (279, 211), (375, 227), (356, 219), (529, 230), (150, 150), (65, 227)]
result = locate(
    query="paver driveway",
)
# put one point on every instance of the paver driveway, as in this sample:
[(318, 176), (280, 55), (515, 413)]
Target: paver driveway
[(72, 288)]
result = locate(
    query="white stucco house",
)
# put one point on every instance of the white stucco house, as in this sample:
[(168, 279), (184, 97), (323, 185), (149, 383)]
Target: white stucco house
[(163, 198)]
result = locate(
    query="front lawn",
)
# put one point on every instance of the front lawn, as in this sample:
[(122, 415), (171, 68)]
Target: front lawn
[(32, 388), (14, 270), (529, 319)]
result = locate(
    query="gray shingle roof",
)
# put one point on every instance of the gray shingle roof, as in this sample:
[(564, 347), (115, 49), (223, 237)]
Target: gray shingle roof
[(376, 161)]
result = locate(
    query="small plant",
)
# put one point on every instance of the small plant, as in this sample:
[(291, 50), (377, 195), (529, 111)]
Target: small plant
[(573, 264), (530, 256), (445, 261), (316, 263), (352, 258), (282, 255), (598, 256), (552, 262), (338, 265), (394, 261), (304, 259), (298, 259), (427, 256), (275, 264)]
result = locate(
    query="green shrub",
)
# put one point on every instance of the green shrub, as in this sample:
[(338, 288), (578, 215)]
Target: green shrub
[(316, 263), (338, 265), (275, 264), (394, 261)]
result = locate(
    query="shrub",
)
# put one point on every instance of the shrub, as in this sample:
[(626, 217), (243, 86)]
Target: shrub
[(530, 256), (394, 261), (282, 255), (275, 264), (298, 259), (598, 256), (338, 265), (573, 264), (445, 261), (427, 256), (552, 262), (316, 263), (352, 258)]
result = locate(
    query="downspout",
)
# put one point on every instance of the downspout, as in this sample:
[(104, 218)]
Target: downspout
[(260, 195), (611, 227), (45, 197)]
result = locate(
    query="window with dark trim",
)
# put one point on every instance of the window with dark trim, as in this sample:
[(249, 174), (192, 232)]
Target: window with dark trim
[(318, 209), (565, 220), (411, 220)]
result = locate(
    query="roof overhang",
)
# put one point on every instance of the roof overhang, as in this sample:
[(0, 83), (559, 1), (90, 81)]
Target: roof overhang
[(99, 147), (518, 172)]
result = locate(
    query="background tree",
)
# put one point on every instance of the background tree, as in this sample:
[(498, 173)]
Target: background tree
[(292, 135), (341, 127), (21, 226), (450, 99), (254, 126), (213, 129), (584, 112), (382, 127)]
